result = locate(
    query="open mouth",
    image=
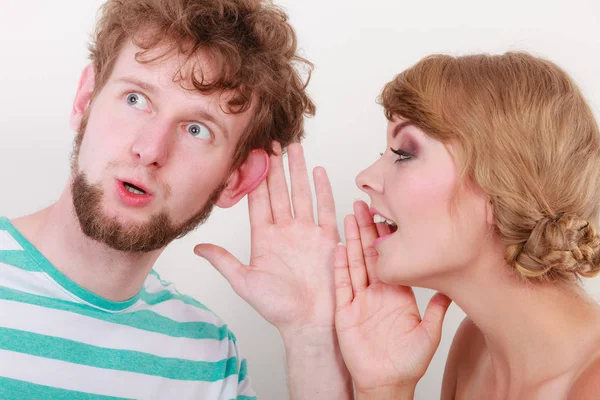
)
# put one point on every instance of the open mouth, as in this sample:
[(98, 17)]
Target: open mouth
[(378, 219), (133, 189)]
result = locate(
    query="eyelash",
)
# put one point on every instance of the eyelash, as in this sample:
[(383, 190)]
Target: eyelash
[(402, 155)]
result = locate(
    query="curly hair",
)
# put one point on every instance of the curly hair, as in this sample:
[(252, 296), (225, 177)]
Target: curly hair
[(250, 44), (528, 139)]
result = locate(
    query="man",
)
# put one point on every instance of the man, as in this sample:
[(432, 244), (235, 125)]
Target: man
[(186, 105)]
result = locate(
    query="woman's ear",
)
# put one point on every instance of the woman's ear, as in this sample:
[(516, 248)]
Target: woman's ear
[(489, 213)]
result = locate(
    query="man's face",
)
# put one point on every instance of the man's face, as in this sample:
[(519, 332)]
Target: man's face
[(153, 157)]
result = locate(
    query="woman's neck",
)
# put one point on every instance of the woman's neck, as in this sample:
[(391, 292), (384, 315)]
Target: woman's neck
[(533, 332)]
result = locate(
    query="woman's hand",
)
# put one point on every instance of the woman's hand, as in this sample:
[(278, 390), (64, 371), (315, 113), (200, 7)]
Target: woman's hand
[(386, 345)]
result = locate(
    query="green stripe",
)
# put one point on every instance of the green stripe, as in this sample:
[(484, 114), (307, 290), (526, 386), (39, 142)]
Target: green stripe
[(141, 319), (154, 298), (121, 360), (164, 295), (12, 389), (243, 370), (32, 260), (246, 398), (46, 266), (22, 260), (19, 259)]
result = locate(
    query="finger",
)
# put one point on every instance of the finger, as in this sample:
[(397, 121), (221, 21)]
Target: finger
[(325, 202), (227, 265), (434, 316), (343, 283), (278, 189), (356, 261), (368, 234), (301, 194), (259, 206)]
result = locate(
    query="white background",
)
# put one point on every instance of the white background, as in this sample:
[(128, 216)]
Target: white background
[(357, 46)]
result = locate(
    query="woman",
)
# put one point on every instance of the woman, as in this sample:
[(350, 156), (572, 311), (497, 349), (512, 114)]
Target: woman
[(489, 189)]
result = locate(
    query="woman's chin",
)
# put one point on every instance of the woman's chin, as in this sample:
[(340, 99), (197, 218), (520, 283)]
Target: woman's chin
[(404, 274)]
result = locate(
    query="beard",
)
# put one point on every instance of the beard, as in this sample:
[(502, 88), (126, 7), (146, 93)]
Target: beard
[(143, 237)]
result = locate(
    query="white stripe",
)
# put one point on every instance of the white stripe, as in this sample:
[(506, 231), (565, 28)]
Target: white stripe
[(95, 332), (82, 378), (245, 388), (38, 283), (155, 285), (176, 309), (7, 242)]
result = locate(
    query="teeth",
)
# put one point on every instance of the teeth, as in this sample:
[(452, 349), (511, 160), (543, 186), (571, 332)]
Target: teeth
[(378, 219), (133, 189)]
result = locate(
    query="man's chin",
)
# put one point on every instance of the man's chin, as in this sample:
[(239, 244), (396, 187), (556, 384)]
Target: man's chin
[(128, 236), (127, 222), (133, 233)]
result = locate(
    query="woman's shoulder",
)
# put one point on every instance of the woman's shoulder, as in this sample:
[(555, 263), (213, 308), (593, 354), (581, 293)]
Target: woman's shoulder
[(468, 347), (586, 385)]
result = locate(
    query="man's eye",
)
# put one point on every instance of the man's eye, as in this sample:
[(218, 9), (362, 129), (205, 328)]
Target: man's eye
[(138, 101), (198, 130)]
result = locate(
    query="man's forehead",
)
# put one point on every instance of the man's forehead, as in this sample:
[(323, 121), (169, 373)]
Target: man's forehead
[(168, 66), (172, 69)]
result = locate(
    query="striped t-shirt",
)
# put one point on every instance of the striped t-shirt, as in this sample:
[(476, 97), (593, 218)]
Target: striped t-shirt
[(60, 341)]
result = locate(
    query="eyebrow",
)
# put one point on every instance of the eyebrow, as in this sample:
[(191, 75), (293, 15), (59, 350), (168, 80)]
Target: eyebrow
[(136, 82), (401, 126), (149, 88)]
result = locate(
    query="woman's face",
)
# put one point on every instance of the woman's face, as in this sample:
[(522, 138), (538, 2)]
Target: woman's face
[(439, 230)]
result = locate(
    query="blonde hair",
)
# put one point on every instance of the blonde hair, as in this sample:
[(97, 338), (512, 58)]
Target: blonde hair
[(528, 139)]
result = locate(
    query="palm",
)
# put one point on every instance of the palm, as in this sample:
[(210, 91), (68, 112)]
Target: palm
[(289, 275), (289, 272), (382, 337), (381, 325)]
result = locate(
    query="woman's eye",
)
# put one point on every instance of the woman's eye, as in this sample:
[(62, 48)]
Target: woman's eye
[(138, 101), (199, 131), (402, 155)]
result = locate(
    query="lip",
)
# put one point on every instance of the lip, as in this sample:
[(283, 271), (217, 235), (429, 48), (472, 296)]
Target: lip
[(381, 239), (373, 211), (132, 199), (137, 183)]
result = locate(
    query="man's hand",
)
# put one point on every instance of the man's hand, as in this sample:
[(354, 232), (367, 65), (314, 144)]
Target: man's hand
[(289, 279)]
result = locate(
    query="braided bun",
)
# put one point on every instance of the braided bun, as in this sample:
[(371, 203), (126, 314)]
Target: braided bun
[(560, 247)]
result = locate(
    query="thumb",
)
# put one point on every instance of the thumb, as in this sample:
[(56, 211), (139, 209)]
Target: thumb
[(227, 265), (434, 316)]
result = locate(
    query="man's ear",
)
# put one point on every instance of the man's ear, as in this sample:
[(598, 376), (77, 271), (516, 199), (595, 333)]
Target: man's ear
[(82, 97), (245, 179)]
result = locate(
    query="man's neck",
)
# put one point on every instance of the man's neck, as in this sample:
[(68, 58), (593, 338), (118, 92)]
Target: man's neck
[(111, 274)]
